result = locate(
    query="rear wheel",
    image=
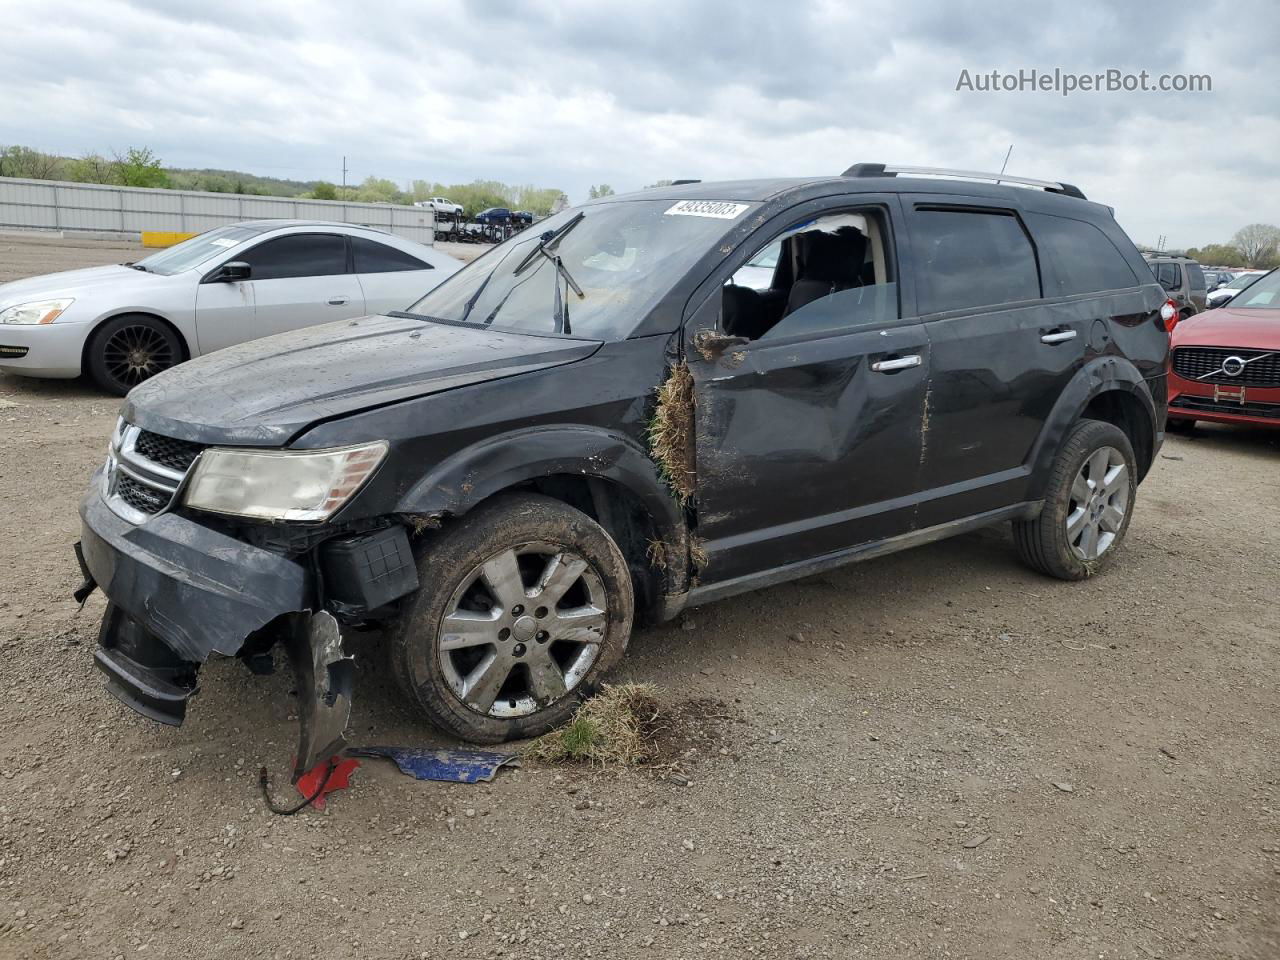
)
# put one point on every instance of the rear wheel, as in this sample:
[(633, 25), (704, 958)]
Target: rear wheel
[(128, 349), (1087, 505), (524, 605)]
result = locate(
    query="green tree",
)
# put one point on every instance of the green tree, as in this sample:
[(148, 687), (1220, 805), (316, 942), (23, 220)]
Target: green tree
[(603, 190), (1258, 243), (92, 168), (31, 164), (325, 191), (140, 167)]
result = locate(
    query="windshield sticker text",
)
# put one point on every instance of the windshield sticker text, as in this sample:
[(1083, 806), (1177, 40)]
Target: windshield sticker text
[(718, 209)]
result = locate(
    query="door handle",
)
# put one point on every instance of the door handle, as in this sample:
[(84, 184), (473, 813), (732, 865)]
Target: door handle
[(1061, 336), (338, 301), (897, 363)]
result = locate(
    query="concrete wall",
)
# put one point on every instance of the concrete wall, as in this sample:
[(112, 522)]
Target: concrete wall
[(55, 205)]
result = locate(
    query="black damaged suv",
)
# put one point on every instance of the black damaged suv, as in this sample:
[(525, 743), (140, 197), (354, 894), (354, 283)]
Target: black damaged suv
[(603, 421)]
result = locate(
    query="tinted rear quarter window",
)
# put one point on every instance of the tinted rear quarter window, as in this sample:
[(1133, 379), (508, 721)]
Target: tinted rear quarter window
[(298, 255), (1167, 274), (1196, 275), (1078, 257), (971, 258), (374, 257)]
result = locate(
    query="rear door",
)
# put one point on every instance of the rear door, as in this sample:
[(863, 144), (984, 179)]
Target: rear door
[(297, 280), (391, 279), (1198, 287), (808, 437), (1001, 351)]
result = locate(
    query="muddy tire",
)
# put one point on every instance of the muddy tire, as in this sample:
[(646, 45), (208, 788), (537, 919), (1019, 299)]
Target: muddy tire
[(1087, 507), (128, 349), (524, 605)]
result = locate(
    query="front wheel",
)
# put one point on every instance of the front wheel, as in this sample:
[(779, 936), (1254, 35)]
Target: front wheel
[(524, 605), (126, 350), (1087, 506)]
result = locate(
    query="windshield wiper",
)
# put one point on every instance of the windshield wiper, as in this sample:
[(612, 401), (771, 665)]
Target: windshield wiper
[(545, 242)]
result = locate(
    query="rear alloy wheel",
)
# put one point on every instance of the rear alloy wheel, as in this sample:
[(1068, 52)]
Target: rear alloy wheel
[(1087, 505), (126, 350), (524, 605)]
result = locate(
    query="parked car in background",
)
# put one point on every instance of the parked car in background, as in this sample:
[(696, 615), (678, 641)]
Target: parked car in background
[(493, 215), (124, 323), (1183, 280), (1226, 363), (1240, 281), (523, 218), (589, 426), (441, 205)]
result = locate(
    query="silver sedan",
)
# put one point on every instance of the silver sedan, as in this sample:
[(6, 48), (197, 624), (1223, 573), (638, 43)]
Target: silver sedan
[(124, 323)]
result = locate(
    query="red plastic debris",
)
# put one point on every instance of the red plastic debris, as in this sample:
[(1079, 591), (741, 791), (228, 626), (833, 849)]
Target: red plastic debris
[(310, 781)]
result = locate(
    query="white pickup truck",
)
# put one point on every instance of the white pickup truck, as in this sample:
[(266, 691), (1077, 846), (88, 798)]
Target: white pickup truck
[(441, 205)]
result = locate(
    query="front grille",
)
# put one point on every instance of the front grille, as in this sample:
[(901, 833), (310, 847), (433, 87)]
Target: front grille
[(145, 471), (1250, 408), (166, 451), (1194, 363), (138, 495)]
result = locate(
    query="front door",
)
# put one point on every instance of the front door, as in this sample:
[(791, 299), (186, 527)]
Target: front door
[(808, 417), (297, 280)]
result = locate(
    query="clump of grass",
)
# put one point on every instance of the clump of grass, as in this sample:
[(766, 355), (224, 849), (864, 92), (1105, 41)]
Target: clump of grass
[(616, 727), (656, 553), (671, 433), (698, 554)]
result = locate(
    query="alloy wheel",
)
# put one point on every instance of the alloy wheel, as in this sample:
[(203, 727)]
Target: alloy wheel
[(1099, 502), (522, 630), (137, 352)]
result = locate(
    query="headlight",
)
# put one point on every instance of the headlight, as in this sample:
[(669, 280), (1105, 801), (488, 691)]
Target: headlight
[(39, 311), (281, 484)]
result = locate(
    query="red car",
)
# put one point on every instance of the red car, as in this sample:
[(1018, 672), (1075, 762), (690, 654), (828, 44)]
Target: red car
[(1226, 362)]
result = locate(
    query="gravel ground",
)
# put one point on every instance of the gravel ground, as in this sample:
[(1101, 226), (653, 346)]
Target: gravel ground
[(936, 754)]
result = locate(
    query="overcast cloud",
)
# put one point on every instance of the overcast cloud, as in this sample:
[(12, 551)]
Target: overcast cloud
[(573, 93)]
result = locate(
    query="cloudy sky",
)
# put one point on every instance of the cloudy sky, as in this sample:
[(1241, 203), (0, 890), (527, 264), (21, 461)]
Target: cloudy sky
[(568, 93)]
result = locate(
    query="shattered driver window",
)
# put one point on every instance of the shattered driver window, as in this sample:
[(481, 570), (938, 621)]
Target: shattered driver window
[(824, 275)]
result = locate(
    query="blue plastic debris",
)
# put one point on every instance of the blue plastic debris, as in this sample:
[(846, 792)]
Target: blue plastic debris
[(451, 766)]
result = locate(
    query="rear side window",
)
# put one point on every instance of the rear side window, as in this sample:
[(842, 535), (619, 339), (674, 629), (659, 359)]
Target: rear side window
[(1079, 258), (1196, 275), (1167, 275), (972, 258), (374, 257), (298, 255)]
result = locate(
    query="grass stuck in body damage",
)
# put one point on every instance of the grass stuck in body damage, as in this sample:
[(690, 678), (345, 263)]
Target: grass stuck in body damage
[(671, 433)]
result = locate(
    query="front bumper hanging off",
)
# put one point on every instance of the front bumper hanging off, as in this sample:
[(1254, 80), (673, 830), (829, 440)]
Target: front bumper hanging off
[(179, 593)]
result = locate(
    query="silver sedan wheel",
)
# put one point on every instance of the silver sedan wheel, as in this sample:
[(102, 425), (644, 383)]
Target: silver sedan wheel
[(522, 630), (1099, 502)]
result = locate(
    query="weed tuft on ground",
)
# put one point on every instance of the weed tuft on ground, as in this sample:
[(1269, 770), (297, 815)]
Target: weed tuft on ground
[(616, 727)]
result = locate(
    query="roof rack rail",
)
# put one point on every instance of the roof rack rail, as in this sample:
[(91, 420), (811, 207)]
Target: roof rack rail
[(889, 170)]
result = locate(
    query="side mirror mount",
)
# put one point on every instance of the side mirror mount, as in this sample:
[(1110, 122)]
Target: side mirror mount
[(233, 271)]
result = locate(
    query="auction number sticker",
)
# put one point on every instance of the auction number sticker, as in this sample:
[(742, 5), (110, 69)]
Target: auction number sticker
[(718, 209)]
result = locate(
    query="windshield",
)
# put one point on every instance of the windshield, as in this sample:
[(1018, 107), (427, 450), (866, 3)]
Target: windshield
[(1263, 293), (1242, 281), (624, 256), (189, 253)]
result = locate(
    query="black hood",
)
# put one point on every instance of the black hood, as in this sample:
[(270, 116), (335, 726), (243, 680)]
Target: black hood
[(262, 393)]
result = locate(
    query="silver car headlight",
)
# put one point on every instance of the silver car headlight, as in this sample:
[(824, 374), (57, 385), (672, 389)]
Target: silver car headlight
[(281, 484), (38, 311)]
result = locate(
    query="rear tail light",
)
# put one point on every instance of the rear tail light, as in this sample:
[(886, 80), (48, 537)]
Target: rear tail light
[(1169, 314)]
